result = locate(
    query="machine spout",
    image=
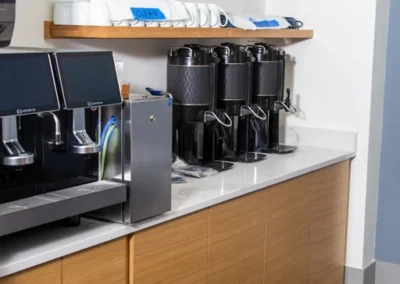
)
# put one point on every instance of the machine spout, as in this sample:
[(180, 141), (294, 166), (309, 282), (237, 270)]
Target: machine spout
[(57, 128), (82, 144), (17, 155)]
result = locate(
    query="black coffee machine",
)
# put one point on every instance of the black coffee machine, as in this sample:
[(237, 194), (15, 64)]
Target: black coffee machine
[(268, 93), (191, 76), (234, 98), (50, 119)]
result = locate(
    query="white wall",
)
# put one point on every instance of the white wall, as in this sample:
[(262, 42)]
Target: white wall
[(144, 60), (332, 80), (376, 124)]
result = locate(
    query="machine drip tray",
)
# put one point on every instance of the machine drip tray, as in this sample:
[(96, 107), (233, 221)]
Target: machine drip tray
[(283, 149), (45, 208), (251, 157), (220, 165)]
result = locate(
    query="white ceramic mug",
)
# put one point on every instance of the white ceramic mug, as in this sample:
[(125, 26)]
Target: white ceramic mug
[(215, 16), (166, 24), (122, 23), (137, 23), (179, 14), (80, 13), (179, 24), (98, 13), (152, 24), (62, 12), (205, 15), (194, 12)]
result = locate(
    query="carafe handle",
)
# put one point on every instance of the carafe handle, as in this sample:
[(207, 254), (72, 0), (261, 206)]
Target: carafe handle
[(213, 116)]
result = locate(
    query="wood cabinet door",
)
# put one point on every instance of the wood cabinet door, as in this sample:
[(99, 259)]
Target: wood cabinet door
[(103, 264), (236, 241), (288, 225), (329, 224), (173, 252), (49, 273)]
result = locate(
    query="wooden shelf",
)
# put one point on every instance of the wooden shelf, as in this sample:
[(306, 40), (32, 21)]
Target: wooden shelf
[(52, 31)]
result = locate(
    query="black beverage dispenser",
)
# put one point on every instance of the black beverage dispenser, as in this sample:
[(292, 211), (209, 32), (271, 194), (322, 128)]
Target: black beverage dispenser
[(234, 98), (191, 81), (49, 163), (268, 93)]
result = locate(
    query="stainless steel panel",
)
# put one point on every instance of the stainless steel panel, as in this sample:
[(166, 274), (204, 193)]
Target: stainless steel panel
[(139, 155), (148, 145), (45, 208)]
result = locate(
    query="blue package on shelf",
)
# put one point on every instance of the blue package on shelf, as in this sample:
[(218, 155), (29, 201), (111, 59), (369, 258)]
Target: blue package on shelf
[(265, 23), (146, 14), (252, 22)]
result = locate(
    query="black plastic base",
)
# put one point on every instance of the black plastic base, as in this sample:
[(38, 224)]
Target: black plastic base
[(283, 149), (251, 157), (220, 166), (73, 221), (230, 159)]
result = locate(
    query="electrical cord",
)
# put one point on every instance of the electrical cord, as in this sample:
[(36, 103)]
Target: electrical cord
[(107, 137), (110, 122)]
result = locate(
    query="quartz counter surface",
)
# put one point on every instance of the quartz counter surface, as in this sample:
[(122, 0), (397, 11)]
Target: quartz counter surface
[(37, 246)]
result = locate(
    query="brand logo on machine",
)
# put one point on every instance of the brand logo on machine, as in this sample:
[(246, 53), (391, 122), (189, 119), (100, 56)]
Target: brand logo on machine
[(27, 110), (92, 104)]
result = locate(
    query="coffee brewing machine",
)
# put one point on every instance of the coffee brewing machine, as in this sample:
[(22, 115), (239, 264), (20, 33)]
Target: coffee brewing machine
[(268, 93), (191, 79), (234, 98), (49, 155)]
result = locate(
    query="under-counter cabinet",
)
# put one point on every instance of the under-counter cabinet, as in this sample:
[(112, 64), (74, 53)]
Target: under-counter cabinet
[(236, 241), (103, 264), (49, 273), (330, 193), (287, 235), (173, 252), (290, 233), (306, 228)]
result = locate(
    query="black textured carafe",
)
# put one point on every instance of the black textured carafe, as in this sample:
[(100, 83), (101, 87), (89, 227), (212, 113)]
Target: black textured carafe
[(189, 80), (266, 75), (232, 83)]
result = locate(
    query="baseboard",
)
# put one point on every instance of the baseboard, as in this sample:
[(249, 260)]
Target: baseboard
[(361, 276), (387, 273), (370, 274)]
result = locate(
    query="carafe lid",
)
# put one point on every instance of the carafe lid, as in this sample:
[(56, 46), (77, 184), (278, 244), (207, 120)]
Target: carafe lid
[(192, 54), (232, 53)]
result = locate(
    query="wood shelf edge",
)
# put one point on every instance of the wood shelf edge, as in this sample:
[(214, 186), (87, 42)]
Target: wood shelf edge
[(47, 29), (52, 31)]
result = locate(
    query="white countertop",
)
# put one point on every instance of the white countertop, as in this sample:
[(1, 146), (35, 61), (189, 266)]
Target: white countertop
[(33, 247)]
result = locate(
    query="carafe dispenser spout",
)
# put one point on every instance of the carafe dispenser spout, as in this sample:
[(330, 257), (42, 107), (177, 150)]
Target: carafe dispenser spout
[(57, 128)]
